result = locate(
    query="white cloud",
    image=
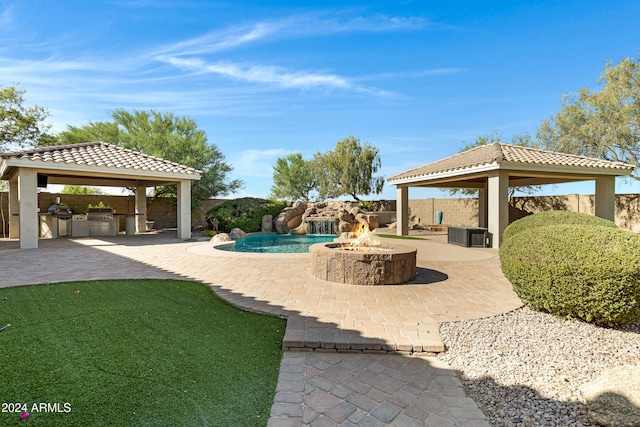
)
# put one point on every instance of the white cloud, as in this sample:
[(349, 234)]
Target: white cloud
[(189, 55), (378, 23), (180, 77), (312, 24), (260, 73), (217, 41), (6, 19)]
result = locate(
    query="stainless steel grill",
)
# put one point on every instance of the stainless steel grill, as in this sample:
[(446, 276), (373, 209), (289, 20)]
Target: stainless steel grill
[(60, 211), (100, 214)]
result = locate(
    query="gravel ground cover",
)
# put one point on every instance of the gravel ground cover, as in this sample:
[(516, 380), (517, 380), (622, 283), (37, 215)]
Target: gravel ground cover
[(524, 368)]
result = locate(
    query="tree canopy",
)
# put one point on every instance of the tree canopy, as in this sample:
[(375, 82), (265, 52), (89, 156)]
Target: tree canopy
[(293, 178), (80, 189), (21, 125), (348, 170), (604, 123), (167, 136)]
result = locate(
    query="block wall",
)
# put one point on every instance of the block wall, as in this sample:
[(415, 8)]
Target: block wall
[(456, 211)]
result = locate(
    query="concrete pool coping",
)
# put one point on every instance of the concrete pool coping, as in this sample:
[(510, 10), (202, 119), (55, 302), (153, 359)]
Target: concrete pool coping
[(430, 248)]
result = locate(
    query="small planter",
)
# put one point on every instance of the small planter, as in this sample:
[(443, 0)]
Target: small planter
[(150, 225)]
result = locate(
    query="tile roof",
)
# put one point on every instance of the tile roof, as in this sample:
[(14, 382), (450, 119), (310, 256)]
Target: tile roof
[(500, 153), (101, 154)]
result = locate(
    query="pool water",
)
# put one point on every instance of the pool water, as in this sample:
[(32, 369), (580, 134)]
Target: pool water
[(277, 243)]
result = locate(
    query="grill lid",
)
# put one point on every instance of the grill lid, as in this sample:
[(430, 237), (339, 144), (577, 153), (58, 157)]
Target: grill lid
[(60, 211)]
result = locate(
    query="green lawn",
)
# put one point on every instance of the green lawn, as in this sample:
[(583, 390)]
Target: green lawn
[(135, 352)]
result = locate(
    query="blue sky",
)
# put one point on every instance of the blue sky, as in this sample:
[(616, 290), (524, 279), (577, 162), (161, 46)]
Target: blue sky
[(416, 79)]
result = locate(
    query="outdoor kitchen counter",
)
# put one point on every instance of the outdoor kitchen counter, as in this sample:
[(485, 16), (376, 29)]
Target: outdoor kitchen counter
[(81, 226)]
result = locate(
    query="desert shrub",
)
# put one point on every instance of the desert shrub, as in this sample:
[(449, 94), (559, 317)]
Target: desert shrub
[(546, 218), (208, 233), (245, 213), (583, 272)]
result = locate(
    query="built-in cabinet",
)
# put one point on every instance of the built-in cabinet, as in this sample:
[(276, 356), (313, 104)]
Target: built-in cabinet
[(77, 226), (83, 227)]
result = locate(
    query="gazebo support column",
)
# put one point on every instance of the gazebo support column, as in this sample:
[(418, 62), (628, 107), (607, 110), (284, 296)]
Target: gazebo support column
[(498, 205), (606, 197), (482, 208), (402, 211), (141, 209), (28, 201), (184, 209), (14, 209)]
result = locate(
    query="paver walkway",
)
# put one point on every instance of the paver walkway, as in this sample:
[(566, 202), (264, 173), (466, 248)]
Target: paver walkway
[(453, 284)]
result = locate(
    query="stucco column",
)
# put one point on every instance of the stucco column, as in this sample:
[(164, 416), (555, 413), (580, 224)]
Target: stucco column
[(482, 208), (28, 201), (14, 208), (498, 205), (402, 211), (141, 209), (606, 197), (184, 209)]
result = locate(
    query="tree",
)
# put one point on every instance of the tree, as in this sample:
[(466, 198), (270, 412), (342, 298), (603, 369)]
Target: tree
[(20, 125), (80, 189), (93, 132), (293, 178), (177, 139), (348, 170), (603, 124)]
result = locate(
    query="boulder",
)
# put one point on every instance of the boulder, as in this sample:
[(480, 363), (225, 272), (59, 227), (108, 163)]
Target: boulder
[(236, 233), (222, 237), (372, 220), (267, 224), (344, 226), (362, 219), (300, 229), (613, 398), (280, 223), (344, 216), (296, 218), (294, 221), (307, 213), (290, 217)]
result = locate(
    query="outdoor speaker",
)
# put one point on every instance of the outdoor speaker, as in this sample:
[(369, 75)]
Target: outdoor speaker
[(42, 181)]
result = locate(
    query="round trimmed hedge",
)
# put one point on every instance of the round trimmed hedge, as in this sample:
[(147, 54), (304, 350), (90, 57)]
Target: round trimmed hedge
[(583, 272), (546, 218)]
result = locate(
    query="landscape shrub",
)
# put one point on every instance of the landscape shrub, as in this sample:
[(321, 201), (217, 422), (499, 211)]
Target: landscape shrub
[(546, 218), (585, 272), (245, 213)]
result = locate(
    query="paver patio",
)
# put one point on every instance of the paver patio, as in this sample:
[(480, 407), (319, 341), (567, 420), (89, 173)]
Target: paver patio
[(453, 283)]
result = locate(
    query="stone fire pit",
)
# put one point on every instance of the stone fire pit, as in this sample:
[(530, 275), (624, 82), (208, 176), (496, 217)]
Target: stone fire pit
[(379, 265)]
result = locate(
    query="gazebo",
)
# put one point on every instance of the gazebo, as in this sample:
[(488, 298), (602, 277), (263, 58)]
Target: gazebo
[(493, 168), (94, 164)]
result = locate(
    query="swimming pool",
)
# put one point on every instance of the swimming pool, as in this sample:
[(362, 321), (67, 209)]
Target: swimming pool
[(277, 243)]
